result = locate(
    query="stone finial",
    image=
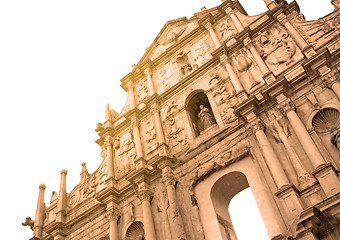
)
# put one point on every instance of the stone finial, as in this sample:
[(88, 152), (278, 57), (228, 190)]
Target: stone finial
[(64, 171), (204, 9), (108, 115), (62, 200), (42, 186)]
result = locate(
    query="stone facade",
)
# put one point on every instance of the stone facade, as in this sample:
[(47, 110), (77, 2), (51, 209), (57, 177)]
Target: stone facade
[(219, 102)]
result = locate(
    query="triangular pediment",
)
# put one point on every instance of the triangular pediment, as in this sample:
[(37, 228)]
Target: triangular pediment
[(172, 32)]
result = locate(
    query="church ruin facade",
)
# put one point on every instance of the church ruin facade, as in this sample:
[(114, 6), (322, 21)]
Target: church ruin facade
[(219, 102)]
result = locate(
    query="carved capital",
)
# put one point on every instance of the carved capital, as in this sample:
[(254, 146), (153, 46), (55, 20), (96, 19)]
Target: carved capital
[(208, 26), (286, 106), (134, 122), (229, 11), (147, 72), (224, 59), (282, 18), (330, 78), (113, 215), (247, 41), (144, 195), (108, 141), (154, 108), (169, 179), (254, 126)]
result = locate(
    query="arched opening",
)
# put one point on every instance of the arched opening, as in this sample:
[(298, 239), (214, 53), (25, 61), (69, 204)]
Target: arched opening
[(135, 231), (200, 113), (222, 193), (246, 216)]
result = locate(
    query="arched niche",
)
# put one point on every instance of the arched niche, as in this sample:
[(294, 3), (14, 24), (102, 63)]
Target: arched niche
[(326, 124), (199, 111), (135, 231)]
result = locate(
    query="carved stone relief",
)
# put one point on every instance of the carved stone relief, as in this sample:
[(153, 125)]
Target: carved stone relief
[(183, 64), (142, 90), (226, 29), (201, 53), (126, 154), (225, 99), (178, 140), (246, 69), (151, 138), (277, 49)]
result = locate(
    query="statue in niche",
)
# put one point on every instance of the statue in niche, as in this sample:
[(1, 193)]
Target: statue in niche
[(150, 136), (205, 117), (183, 63), (277, 48), (335, 137), (244, 65), (226, 30)]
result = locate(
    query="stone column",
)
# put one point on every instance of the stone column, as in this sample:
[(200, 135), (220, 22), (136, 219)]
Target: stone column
[(271, 158), (295, 34), (62, 200), (113, 223), (109, 156), (302, 175), (149, 228), (300, 130), (213, 35), (263, 67), (175, 220), (148, 75), (235, 19), (40, 213), (233, 77), (158, 124), (136, 137)]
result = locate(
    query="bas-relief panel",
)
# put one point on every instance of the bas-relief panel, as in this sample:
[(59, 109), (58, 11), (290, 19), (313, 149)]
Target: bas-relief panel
[(277, 48), (319, 31), (141, 90), (247, 70), (225, 29), (125, 154), (148, 134), (171, 36)]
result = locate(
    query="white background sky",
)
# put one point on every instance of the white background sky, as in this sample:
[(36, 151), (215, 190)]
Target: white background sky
[(60, 63)]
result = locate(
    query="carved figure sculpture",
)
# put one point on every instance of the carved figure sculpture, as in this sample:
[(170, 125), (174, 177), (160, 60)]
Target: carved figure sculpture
[(183, 63), (335, 137), (206, 118)]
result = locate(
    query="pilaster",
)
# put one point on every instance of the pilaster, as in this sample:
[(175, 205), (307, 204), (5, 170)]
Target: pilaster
[(213, 35)]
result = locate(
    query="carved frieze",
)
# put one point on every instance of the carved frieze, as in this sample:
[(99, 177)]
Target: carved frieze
[(183, 63), (178, 140)]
